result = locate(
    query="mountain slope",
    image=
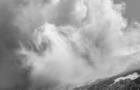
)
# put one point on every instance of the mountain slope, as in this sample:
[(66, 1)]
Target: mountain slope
[(110, 84)]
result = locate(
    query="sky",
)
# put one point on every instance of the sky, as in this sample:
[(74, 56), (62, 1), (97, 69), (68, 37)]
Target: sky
[(132, 12)]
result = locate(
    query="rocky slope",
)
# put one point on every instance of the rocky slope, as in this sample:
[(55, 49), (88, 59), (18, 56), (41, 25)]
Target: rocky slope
[(120, 82)]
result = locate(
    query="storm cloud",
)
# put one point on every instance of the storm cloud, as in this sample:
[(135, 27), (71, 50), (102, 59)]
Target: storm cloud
[(64, 43)]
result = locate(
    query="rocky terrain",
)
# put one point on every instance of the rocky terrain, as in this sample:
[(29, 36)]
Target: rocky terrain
[(110, 84)]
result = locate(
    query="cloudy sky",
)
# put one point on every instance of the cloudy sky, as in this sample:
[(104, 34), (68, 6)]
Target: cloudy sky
[(20, 18), (132, 9)]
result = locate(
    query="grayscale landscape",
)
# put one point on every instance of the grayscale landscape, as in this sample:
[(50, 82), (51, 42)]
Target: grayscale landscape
[(69, 45)]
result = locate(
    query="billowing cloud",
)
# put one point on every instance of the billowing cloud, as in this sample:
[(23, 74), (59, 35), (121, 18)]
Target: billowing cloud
[(81, 41), (65, 43)]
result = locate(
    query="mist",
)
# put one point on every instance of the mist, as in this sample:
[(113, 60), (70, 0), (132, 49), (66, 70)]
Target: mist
[(64, 43)]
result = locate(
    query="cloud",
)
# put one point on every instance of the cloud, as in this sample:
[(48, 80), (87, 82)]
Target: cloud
[(66, 43), (81, 41), (131, 77), (10, 71)]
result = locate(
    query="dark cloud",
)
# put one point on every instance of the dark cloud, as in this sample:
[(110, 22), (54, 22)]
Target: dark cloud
[(11, 73)]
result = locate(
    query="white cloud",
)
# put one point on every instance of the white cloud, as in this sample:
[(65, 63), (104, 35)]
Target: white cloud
[(87, 42), (131, 77)]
